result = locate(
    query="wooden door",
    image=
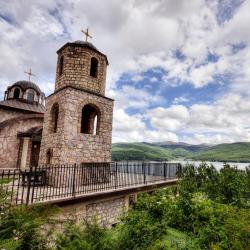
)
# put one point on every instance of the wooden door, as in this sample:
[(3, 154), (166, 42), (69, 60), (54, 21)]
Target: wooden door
[(35, 150)]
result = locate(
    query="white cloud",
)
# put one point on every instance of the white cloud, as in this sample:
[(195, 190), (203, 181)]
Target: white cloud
[(132, 97), (137, 36), (180, 99), (131, 128), (168, 118), (227, 120)]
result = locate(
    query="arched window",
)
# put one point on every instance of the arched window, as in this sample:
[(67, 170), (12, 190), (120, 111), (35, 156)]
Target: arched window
[(54, 117), (61, 65), (90, 120), (30, 96), (48, 156), (93, 67), (16, 93)]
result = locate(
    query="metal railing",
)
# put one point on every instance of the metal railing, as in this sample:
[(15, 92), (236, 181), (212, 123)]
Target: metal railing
[(51, 182)]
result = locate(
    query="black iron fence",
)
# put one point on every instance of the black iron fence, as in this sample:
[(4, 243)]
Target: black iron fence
[(51, 182)]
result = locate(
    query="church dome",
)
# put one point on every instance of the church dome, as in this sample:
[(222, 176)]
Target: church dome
[(25, 91), (24, 85)]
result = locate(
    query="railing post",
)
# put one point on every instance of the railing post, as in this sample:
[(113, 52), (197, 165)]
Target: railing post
[(164, 169), (33, 184), (74, 180), (144, 172), (115, 175), (28, 185)]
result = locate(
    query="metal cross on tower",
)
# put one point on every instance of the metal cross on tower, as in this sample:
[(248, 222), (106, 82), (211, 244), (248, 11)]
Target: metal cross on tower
[(86, 33), (29, 73)]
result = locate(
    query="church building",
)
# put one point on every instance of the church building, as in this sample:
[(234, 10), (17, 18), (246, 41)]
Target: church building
[(21, 121), (75, 124)]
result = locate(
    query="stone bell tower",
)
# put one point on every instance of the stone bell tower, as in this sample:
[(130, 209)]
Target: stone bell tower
[(78, 121)]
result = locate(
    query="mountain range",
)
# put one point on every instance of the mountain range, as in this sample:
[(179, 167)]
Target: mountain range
[(164, 151)]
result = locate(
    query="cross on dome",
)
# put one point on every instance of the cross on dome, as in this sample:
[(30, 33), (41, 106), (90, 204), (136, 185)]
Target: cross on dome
[(86, 33), (29, 73)]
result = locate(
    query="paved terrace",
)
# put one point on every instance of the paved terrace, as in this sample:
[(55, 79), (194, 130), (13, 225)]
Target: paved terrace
[(53, 184)]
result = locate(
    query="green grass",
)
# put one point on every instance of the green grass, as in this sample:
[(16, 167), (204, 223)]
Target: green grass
[(5, 181)]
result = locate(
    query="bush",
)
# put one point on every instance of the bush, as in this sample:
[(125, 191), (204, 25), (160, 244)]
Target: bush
[(228, 186), (85, 236), (20, 226)]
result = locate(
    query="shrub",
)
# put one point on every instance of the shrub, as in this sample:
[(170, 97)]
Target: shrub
[(85, 236), (228, 186), (20, 226)]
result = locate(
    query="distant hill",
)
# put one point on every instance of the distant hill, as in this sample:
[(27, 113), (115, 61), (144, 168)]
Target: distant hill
[(239, 151), (139, 151), (183, 145), (170, 150)]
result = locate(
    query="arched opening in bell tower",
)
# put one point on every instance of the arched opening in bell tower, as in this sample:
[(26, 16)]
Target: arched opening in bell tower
[(61, 62), (54, 117), (90, 120), (93, 67)]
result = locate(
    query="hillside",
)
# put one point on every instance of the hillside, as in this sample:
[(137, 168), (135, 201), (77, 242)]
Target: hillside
[(239, 151), (146, 151), (139, 151), (188, 147), (168, 151)]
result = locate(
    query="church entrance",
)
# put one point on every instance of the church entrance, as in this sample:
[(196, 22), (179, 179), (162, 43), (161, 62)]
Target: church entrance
[(35, 150)]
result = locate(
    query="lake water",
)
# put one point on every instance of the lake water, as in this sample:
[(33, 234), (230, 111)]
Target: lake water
[(217, 164)]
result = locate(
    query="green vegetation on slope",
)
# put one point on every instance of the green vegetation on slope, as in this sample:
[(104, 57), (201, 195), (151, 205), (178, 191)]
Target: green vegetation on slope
[(226, 152), (139, 151), (235, 152)]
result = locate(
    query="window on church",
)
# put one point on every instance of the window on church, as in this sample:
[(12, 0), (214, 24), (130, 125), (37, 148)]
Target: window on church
[(16, 93), (93, 67), (48, 156), (90, 120), (54, 117), (61, 65), (30, 96)]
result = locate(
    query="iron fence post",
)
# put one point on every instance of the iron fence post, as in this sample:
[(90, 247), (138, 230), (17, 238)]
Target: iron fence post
[(74, 178), (164, 169), (33, 184), (115, 175), (28, 186), (144, 172)]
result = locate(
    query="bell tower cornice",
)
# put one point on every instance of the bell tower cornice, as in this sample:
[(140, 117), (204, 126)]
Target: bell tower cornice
[(80, 64)]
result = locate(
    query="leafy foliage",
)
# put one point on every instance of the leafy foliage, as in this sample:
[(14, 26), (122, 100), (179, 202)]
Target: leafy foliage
[(208, 210), (229, 186), (21, 226), (85, 236)]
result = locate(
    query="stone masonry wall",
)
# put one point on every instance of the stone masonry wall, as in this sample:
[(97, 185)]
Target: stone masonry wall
[(106, 212), (68, 144), (9, 143), (76, 69)]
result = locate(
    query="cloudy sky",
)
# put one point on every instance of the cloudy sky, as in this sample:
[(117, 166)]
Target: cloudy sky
[(179, 70)]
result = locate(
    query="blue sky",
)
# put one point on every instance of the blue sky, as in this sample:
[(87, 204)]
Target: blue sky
[(179, 70)]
